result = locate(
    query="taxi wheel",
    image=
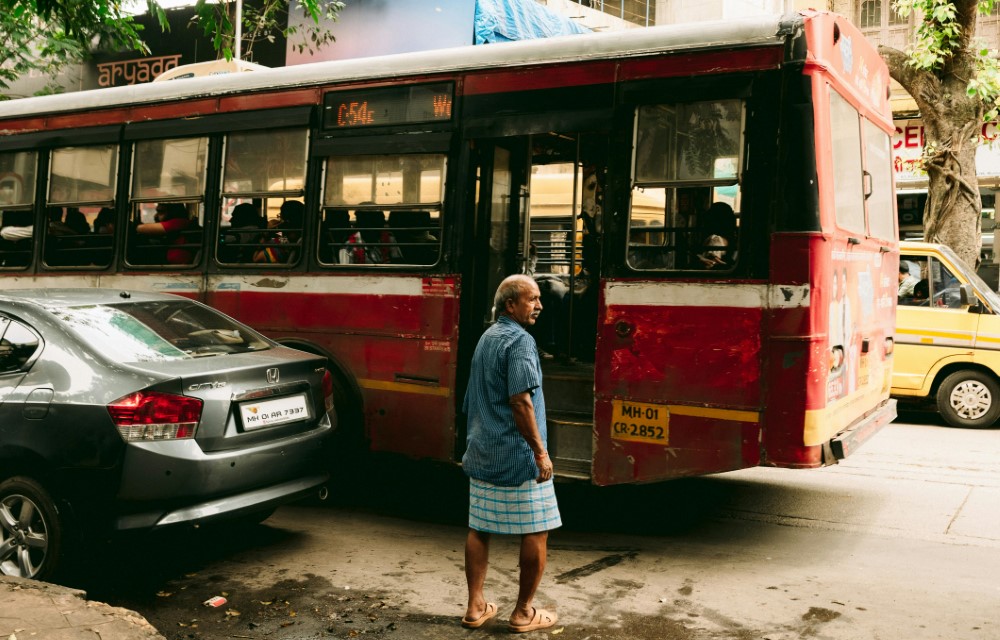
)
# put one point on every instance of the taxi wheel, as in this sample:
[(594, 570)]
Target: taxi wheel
[(969, 399)]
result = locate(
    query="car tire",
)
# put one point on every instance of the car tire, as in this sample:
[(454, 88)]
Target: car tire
[(969, 399), (32, 530)]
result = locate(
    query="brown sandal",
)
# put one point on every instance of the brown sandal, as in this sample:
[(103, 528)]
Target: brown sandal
[(541, 620), (491, 610)]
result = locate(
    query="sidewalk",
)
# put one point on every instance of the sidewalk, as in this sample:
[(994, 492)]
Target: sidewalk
[(43, 611)]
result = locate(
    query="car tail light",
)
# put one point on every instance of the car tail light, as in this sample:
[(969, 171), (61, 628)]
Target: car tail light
[(152, 415), (328, 390)]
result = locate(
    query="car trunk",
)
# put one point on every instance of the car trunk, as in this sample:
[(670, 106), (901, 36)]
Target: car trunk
[(249, 398)]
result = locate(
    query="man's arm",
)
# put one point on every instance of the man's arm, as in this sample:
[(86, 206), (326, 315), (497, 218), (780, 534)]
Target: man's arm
[(16, 233), (524, 419)]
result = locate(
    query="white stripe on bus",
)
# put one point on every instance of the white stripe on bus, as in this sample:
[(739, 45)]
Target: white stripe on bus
[(702, 294), (261, 283)]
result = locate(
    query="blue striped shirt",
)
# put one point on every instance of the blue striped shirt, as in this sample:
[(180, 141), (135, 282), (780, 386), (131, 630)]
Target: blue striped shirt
[(505, 364)]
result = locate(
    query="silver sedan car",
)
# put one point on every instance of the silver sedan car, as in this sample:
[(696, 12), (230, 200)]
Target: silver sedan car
[(134, 411)]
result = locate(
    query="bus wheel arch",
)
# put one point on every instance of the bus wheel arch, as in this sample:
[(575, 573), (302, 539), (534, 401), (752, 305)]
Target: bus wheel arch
[(967, 396), (348, 401)]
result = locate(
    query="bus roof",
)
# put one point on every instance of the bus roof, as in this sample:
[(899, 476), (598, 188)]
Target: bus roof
[(573, 48)]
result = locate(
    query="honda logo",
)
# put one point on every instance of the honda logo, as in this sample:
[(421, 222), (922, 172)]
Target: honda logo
[(272, 376)]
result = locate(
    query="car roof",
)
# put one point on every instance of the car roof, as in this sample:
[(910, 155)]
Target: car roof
[(53, 298)]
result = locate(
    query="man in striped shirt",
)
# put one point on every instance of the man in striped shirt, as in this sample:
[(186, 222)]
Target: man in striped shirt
[(506, 459)]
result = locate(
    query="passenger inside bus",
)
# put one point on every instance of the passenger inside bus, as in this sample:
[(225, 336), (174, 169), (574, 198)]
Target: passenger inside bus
[(380, 244), (242, 239), (104, 223), (412, 232), (66, 238), (101, 241), (285, 238), (77, 222), (339, 242), (172, 220), (717, 229), (16, 231)]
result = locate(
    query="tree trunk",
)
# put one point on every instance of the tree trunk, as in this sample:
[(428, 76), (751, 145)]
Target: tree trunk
[(953, 215), (952, 122)]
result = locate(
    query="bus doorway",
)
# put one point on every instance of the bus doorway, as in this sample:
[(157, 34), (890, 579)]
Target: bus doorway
[(541, 197)]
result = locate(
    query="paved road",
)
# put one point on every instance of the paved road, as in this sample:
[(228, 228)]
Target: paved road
[(900, 542)]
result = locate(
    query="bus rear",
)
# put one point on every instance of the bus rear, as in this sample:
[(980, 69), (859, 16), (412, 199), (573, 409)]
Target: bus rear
[(782, 354)]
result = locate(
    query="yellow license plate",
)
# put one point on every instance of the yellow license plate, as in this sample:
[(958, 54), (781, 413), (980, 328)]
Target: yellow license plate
[(640, 422)]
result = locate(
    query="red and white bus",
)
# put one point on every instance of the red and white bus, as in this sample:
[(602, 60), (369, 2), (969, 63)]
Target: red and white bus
[(708, 209)]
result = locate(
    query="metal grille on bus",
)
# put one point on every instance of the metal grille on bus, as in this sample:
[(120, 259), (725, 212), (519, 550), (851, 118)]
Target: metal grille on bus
[(569, 408)]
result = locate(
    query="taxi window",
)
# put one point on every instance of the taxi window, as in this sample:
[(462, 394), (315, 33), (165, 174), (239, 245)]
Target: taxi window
[(928, 282)]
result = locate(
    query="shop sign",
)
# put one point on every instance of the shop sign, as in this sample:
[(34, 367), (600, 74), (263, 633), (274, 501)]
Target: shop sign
[(908, 146)]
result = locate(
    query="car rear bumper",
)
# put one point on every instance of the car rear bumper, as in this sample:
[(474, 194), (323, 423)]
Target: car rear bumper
[(170, 482), (230, 506)]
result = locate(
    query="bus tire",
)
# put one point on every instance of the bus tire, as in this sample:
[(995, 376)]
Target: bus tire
[(969, 399)]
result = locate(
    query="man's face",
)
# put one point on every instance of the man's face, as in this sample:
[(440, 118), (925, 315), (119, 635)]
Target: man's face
[(902, 276), (526, 308)]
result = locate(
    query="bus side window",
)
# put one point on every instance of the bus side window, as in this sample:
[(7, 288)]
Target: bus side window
[(685, 191)]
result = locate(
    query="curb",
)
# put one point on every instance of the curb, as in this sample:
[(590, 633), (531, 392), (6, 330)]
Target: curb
[(44, 611)]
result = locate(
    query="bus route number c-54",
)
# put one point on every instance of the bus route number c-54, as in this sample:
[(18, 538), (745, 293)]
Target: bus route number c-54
[(640, 422)]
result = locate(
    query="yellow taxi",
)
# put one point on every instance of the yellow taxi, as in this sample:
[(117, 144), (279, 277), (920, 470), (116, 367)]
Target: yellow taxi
[(947, 345)]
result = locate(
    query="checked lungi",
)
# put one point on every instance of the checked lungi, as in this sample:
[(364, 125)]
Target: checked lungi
[(528, 508)]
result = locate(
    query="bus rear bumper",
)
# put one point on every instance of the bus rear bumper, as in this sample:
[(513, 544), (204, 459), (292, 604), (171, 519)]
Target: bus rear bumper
[(849, 440)]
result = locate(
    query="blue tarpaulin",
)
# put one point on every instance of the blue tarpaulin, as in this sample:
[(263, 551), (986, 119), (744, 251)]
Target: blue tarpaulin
[(508, 20)]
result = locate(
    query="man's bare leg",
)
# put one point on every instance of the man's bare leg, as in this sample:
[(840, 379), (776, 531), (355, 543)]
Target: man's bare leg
[(477, 561), (533, 557)]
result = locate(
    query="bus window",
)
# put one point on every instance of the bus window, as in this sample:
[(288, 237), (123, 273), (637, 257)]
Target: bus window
[(17, 195), (82, 181), (383, 210), (878, 162), (685, 190), (845, 129), (264, 171), (166, 216)]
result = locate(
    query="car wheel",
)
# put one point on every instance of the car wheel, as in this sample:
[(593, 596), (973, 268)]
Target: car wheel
[(31, 530), (969, 399)]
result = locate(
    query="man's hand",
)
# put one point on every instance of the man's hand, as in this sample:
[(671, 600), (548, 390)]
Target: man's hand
[(544, 467)]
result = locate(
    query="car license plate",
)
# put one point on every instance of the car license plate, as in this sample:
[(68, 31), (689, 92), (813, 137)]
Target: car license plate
[(269, 413), (640, 422)]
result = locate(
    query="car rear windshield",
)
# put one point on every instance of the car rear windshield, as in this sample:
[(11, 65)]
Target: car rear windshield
[(159, 330)]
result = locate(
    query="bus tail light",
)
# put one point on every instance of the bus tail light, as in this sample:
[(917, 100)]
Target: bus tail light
[(328, 390), (152, 415), (889, 346)]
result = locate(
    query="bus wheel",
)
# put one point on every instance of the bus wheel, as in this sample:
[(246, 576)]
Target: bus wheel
[(31, 530), (969, 399)]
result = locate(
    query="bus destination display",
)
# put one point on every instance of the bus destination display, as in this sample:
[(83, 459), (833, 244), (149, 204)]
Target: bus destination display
[(385, 106)]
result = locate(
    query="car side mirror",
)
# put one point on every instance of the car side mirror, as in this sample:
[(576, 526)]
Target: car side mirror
[(967, 295)]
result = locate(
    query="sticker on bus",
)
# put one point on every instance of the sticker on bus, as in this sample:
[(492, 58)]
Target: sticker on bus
[(640, 422)]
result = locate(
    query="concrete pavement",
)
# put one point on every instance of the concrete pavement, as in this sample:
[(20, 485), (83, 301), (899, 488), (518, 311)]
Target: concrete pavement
[(43, 611)]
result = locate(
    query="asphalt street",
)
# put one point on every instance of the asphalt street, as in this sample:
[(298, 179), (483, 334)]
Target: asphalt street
[(900, 542)]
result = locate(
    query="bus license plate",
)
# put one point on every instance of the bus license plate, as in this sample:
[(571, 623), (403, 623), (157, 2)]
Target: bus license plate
[(269, 413), (640, 422)]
